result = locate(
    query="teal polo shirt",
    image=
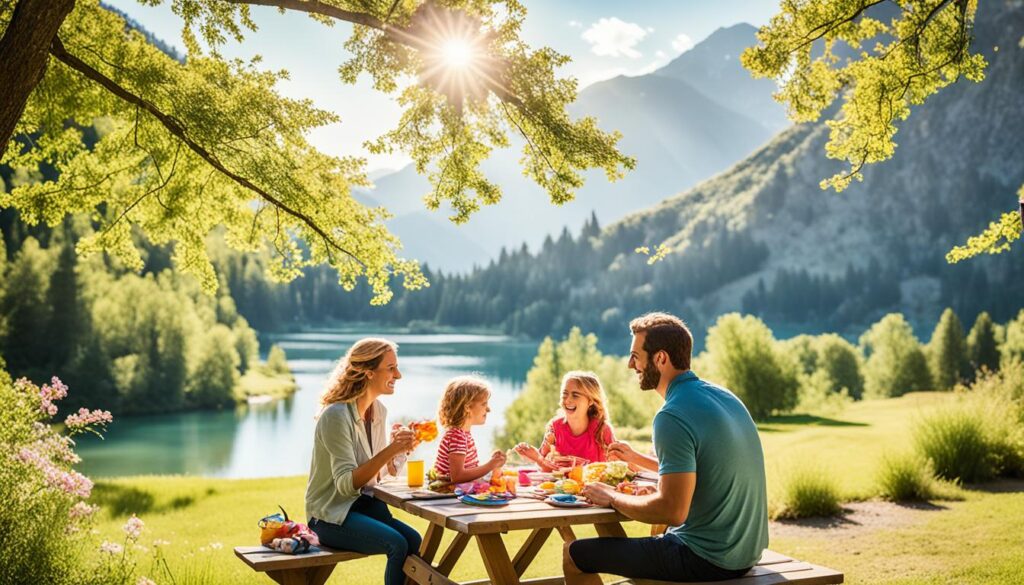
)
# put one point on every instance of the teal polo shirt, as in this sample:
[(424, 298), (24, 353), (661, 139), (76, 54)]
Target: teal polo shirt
[(706, 429)]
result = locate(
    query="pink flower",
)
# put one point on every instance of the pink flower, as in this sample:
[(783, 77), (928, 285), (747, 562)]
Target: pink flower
[(48, 394), (82, 510), (133, 527), (111, 548), (85, 418), (145, 581)]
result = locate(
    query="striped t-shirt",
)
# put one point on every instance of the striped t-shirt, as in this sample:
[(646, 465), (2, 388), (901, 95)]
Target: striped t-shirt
[(455, 441)]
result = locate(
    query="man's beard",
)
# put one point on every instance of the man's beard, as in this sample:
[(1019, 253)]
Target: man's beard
[(650, 377)]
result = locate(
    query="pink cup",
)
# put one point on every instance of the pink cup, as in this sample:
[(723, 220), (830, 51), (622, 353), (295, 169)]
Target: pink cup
[(523, 479)]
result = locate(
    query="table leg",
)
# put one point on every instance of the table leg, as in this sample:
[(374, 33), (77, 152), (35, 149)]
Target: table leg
[(530, 548), (499, 566), (610, 529), (431, 542), (451, 556), (567, 534)]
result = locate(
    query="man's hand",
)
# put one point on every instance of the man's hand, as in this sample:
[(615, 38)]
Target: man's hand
[(599, 494)]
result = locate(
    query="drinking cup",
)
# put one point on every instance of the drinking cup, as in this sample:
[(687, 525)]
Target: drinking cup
[(414, 469)]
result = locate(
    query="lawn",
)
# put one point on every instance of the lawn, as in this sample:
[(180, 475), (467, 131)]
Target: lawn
[(973, 540)]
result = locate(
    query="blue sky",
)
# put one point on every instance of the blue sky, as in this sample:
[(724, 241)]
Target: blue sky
[(604, 39)]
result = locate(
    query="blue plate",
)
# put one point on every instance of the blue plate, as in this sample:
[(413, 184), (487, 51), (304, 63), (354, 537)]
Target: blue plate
[(486, 503)]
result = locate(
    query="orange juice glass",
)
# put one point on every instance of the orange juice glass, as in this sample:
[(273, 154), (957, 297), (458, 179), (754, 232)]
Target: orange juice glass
[(414, 469)]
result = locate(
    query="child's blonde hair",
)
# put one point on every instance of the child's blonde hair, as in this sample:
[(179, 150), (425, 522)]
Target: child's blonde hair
[(458, 395), (590, 387)]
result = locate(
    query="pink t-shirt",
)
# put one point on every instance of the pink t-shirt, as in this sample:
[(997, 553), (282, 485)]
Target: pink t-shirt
[(455, 441), (584, 445)]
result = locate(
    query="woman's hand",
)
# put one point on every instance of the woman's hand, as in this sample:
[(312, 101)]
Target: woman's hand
[(528, 451), (402, 441), (497, 459), (622, 452)]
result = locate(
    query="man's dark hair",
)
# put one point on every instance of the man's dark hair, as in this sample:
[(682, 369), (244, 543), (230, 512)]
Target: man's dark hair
[(668, 333)]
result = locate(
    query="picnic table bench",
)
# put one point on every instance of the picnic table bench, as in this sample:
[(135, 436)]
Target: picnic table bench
[(486, 525), (312, 568)]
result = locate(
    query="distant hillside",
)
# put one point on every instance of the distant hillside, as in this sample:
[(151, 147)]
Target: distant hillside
[(711, 68), (696, 117)]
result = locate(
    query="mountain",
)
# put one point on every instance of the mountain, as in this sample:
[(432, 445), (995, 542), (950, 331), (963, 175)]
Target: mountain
[(829, 256), (679, 132), (711, 68)]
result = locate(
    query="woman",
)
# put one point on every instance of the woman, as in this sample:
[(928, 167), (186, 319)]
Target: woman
[(349, 452)]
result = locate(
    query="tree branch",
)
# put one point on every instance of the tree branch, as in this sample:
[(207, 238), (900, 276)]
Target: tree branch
[(173, 126)]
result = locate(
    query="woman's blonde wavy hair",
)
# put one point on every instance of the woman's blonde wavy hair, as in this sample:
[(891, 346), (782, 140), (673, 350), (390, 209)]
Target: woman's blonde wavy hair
[(348, 381), (458, 395), (590, 386)]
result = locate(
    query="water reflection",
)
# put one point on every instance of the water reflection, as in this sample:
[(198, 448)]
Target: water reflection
[(276, 438)]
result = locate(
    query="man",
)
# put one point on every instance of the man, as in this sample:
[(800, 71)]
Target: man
[(711, 486)]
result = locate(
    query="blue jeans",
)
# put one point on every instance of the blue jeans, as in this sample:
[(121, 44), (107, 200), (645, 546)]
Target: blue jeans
[(370, 529)]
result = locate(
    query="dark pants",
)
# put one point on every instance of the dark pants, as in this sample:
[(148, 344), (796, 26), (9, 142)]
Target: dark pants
[(664, 559), (370, 529)]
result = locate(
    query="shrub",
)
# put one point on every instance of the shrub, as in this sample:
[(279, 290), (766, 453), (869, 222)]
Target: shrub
[(746, 359), (895, 362), (906, 478), (277, 363), (44, 510), (808, 491), (955, 440)]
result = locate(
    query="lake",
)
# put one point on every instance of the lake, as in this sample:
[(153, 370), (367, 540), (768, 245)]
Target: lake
[(277, 438)]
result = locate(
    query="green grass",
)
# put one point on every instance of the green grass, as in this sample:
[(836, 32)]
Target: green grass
[(257, 382), (973, 540)]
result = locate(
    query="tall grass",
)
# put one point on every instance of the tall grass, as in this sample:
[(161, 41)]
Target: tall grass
[(808, 491), (981, 435), (907, 478), (955, 440)]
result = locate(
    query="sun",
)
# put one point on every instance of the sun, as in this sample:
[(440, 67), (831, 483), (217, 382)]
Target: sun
[(457, 57), (458, 53)]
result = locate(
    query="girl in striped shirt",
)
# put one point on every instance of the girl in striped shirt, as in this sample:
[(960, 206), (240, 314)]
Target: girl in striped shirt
[(463, 405)]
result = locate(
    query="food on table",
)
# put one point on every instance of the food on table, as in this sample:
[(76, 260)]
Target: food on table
[(567, 486), (610, 472), (547, 485), (425, 431), (564, 498)]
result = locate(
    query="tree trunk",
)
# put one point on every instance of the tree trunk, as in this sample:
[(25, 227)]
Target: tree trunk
[(24, 52)]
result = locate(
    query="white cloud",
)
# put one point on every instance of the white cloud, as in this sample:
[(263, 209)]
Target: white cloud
[(611, 37), (575, 24), (659, 54), (682, 42)]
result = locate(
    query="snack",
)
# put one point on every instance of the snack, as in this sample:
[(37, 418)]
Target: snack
[(611, 472), (567, 486), (425, 431), (547, 485)]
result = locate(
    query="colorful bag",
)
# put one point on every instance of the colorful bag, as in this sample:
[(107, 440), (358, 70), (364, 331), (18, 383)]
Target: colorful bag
[(280, 533)]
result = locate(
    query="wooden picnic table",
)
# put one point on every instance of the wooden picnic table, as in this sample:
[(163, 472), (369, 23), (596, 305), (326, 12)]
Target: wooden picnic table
[(486, 525)]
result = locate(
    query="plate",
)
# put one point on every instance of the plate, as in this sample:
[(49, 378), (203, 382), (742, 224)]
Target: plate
[(576, 504), (542, 492), (429, 495), (486, 503)]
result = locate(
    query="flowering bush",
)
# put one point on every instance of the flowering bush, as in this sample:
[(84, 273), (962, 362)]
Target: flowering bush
[(43, 509)]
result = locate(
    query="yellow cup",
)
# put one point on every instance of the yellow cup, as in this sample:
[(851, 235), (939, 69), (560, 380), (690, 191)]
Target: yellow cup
[(414, 469)]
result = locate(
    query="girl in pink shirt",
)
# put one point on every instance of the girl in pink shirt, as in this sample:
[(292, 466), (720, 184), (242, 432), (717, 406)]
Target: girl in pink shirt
[(582, 431)]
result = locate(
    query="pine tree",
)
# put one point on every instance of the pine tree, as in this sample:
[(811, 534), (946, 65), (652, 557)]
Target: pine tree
[(982, 350), (947, 352)]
